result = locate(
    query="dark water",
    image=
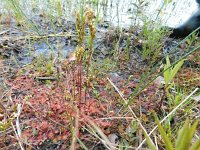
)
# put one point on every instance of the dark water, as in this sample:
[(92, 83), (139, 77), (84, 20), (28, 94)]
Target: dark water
[(118, 12)]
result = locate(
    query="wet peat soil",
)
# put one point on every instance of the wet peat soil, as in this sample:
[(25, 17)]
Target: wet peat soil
[(52, 103)]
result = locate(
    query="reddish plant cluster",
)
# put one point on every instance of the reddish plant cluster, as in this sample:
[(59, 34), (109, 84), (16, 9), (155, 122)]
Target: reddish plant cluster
[(188, 78), (47, 110)]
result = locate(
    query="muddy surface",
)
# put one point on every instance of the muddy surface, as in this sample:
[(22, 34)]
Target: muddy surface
[(20, 47)]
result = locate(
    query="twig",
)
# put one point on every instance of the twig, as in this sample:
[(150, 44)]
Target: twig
[(16, 38), (18, 132), (104, 139), (4, 32), (168, 115), (45, 78), (134, 115)]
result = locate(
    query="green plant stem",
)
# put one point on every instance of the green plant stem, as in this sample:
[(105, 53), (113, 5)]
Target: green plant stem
[(151, 81), (169, 115), (144, 77)]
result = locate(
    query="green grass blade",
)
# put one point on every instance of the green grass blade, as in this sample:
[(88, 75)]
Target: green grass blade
[(182, 140), (149, 142), (176, 68), (167, 71), (192, 130), (167, 141), (82, 144), (196, 145)]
